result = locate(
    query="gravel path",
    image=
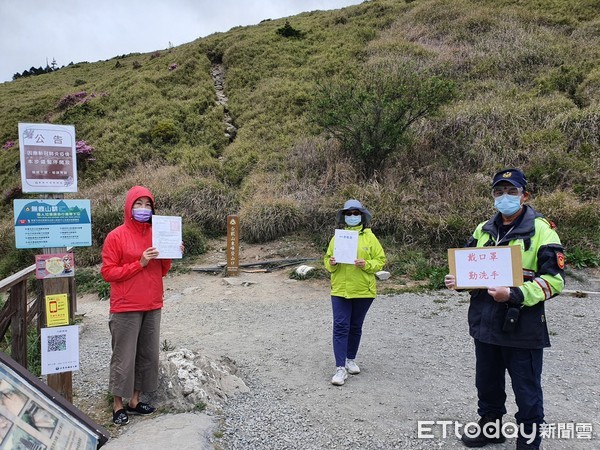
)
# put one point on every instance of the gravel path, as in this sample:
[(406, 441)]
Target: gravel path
[(416, 358)]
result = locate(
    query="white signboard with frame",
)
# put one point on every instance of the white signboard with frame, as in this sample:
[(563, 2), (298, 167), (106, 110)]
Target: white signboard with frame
[(484, 267), (48, 158), (34, 416)]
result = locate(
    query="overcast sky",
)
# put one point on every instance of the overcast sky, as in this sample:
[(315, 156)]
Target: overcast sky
[(33, 31)]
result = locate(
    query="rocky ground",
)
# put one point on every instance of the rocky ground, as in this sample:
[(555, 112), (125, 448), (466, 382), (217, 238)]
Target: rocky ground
[(416, 358)]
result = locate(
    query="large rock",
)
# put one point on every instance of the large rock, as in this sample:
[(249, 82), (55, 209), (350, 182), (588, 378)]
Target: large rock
[(190, 381)]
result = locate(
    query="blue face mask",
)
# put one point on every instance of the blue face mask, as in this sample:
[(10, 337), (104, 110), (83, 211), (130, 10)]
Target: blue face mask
[(507, 205), (352, 220), (141, 214)]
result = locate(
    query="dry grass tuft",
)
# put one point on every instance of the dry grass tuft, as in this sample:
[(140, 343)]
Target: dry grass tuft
[(269, 218)]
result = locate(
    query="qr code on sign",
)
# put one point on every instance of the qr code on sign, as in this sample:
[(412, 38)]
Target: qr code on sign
[(57, 343)]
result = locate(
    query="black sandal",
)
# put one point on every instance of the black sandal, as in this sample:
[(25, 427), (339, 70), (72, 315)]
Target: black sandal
[(120, 417)]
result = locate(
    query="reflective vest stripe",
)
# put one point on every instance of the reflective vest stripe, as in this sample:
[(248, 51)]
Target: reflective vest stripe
[(545, 287)]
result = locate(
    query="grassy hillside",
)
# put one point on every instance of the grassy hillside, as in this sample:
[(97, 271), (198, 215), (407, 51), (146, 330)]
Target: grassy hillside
[(527, 78)]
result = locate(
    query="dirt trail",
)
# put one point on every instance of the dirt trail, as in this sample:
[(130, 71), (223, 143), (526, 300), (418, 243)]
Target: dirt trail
[(416, 356)]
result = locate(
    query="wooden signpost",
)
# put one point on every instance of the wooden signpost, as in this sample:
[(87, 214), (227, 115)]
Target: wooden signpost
[(233, 247), (60, 382), (49, 167)]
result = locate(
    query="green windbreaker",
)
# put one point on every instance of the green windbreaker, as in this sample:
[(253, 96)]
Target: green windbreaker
[(349, 281)]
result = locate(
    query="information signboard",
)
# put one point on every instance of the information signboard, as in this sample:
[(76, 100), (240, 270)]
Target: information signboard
[(48, 158), (51, 223), (54, 265), (34, 416), (485, 267)]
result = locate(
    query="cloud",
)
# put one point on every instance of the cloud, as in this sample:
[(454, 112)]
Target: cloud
[(36, 31)]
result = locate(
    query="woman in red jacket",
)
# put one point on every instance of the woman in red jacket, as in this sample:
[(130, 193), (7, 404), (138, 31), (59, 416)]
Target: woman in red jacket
[(130, 265)]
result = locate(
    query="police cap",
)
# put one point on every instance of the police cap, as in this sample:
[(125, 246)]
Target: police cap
[(513, 176)]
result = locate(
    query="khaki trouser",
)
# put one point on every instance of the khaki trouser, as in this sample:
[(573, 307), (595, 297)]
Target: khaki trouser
[(135, 347)]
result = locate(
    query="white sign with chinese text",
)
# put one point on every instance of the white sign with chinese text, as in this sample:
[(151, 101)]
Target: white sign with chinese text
[(486, 266), (166, 236), (48, 157), (50, 223), (60, 349), (345, 246)]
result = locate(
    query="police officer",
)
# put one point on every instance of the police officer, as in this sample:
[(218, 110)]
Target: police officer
[(508, 324)]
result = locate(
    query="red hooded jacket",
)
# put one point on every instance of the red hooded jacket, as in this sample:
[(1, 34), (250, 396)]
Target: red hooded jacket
[(133, 287)]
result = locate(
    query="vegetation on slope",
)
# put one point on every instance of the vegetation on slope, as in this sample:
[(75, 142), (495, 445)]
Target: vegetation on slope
[(526, 79)]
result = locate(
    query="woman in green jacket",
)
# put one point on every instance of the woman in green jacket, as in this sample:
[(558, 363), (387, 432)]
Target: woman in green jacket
[(352, 288)]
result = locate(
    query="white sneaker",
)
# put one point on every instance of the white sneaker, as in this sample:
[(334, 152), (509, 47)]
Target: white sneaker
[(352, 367), (340, 376)]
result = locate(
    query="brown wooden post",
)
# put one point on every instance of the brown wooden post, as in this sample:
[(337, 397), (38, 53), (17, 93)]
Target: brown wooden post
[(60, 382), (72, 298), (233, 247), (18, 326)]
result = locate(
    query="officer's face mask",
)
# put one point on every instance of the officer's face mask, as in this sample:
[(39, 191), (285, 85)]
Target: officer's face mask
[(507, 204)]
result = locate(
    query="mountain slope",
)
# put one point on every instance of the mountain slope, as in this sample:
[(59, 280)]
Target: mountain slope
[(527, 77)]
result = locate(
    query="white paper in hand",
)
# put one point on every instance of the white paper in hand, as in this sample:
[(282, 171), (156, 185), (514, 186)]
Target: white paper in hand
[(345, 246), (167, 236)]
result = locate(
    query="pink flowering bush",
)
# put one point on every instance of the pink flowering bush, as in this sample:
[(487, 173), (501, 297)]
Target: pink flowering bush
[(173, 66), (71, 99), (84, 151), (8, 145), (77, 98)]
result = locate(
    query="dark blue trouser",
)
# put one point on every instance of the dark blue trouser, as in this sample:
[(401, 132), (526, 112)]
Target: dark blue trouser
[(348, 318), (525, 369)]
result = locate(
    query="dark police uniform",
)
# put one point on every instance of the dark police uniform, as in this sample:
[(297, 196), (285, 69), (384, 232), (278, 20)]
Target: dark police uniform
[(520, 349)]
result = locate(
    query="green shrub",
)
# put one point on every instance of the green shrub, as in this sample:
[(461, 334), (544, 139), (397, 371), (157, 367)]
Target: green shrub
[(90, 281), (193, 239), (318, 273), (165, 132), (289, 31), (578, 221), (105, 218), (15, 260), (238, 163), (416, 265), (371, 114), (564, 78), (588, 92), (582, 128), (581, 258)]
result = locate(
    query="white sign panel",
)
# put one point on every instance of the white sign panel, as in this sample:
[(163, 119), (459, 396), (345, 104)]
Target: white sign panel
[(60, 349), (484, 267), (345, 246), (48, 158), (52, 223), (166, 236)]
